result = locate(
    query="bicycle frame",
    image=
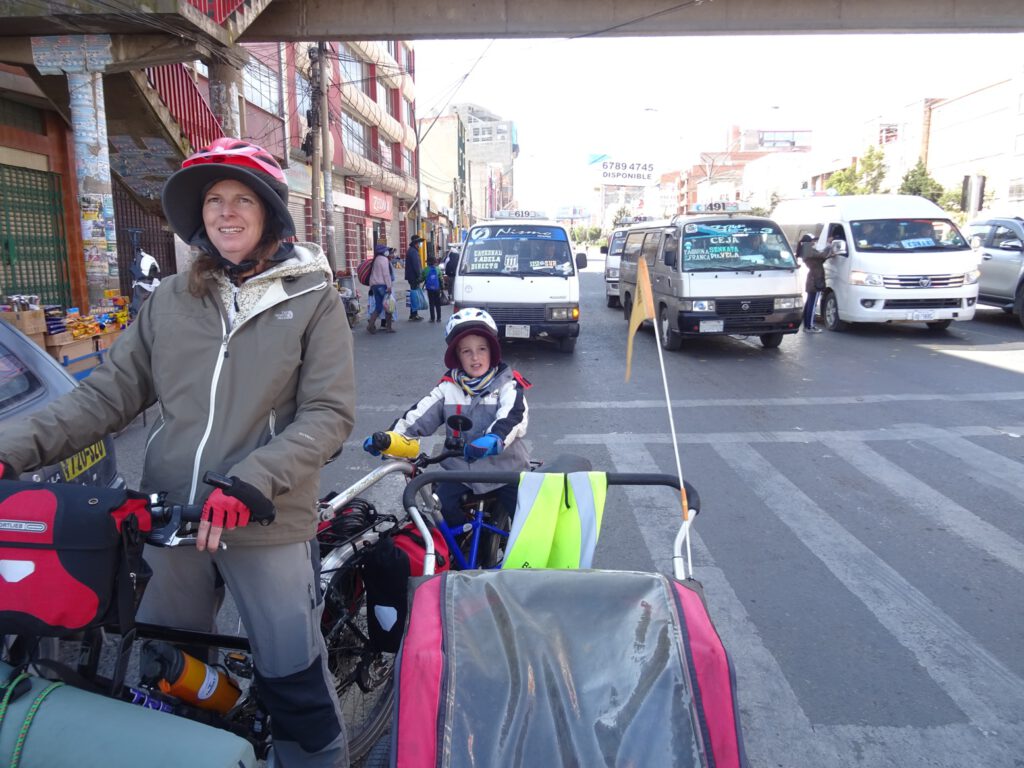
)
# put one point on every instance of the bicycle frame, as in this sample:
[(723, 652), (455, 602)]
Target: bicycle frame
[(477, 525), (682, 563)]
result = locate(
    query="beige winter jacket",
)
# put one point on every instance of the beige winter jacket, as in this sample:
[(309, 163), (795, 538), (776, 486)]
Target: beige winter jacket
[(267, 397)]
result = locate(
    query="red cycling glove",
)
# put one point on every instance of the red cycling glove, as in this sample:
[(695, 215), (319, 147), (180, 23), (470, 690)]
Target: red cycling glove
[(223, 511)]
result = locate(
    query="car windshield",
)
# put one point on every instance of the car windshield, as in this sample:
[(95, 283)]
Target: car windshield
[(907, 235), (17, 382), (615, 246), (735, 244), (517, 249)]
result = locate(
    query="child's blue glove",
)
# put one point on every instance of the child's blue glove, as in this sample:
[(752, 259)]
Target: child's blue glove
[(369, 448), (488, 445)]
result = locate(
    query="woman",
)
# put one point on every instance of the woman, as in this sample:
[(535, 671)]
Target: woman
[(249, 358)]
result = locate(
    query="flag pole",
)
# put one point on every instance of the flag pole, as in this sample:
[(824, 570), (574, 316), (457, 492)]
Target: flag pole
[(656, 322)]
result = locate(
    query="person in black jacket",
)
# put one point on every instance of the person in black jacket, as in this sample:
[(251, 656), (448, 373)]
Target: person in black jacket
[(413, 275)]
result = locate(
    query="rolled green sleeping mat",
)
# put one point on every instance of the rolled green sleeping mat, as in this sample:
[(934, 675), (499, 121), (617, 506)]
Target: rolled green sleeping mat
[(68, 726)]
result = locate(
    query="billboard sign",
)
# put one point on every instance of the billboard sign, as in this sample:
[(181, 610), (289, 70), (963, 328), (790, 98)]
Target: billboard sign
[(612, 170)]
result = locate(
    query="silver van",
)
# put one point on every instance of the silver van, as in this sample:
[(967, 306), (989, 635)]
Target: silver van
[(612, 259), (719, 274)]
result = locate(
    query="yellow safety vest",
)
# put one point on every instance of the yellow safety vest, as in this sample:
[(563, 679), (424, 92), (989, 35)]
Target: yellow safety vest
[(557, 521)]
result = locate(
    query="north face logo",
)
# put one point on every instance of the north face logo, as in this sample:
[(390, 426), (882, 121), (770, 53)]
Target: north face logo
[(284, 314)]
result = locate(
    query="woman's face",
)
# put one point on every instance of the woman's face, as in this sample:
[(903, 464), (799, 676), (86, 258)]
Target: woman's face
[(233, 216), (474, 355)]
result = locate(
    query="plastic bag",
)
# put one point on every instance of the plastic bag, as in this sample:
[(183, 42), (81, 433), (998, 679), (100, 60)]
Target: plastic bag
[(390, 305)]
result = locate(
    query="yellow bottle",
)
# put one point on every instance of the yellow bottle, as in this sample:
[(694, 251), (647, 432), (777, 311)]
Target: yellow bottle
[(400, 446)]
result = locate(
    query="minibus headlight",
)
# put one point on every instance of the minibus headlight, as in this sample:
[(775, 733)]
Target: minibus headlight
[(788, 302), (699, 305), (612, 274), (866, 278), (563, 314), (970, 278)]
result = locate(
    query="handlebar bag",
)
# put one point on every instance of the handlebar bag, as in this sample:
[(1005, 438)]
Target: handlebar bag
[(387, 569), (70, 557)]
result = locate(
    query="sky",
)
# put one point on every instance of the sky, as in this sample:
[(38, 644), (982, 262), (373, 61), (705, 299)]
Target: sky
[(669, 98)]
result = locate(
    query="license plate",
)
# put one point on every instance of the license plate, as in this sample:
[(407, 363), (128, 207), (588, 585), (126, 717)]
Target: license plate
[(922, 316), (712, 326), (517, 331), (87, 457)]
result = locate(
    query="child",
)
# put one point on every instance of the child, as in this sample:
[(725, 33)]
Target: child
[(487, 391), (432, 285)]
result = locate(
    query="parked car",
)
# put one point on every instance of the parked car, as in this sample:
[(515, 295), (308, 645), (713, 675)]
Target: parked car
[(1000, 245), (29, 379)]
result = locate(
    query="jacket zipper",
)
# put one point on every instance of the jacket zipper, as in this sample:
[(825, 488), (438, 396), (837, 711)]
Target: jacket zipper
[(197, 465)]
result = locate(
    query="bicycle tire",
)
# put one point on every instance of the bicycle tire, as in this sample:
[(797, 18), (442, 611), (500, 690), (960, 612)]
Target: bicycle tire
[(491, 550), (363, 679)]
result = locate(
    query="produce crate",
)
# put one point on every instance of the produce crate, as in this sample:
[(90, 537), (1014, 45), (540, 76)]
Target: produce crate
[(57, 339), (27, 321)]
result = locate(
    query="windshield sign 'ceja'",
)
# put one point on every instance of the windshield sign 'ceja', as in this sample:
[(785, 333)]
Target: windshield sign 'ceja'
[(522, 250), (734, 244)]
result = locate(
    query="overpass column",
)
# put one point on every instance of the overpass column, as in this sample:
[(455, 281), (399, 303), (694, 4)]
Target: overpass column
[(83, 59), (225, 87)]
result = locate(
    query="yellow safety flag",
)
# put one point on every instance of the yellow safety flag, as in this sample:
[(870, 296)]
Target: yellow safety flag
[(643, 308)]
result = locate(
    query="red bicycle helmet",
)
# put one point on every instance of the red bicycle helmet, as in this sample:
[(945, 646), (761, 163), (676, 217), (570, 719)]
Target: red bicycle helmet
[(225, 158), (467, 321)]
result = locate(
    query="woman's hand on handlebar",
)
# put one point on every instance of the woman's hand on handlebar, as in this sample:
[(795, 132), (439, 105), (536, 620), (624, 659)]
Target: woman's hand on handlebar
[(231, 504)]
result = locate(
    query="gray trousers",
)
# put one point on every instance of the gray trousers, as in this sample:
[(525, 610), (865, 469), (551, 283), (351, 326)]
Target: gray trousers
[(277, 593)]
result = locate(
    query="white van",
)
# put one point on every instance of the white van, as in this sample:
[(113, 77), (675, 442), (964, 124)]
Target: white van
[(725, 273), (612, 259), (520, 268), (898, 259)]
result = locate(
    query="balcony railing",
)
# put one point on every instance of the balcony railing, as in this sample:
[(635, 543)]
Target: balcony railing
[(218, 10), (186, 103)]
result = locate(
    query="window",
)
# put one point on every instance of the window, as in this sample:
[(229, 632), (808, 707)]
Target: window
[(631, 250), (1016, 193), (201, 68), (887, 133), (406, 106), (353, 134), (407, 160), (1002, 234), (384, 149), (260, 86), (383, 93), (650, 248), (17, 382), (353, 69)]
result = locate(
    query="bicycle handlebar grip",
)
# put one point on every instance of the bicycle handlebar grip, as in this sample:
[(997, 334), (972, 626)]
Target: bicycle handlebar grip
[(380, 441), (399, 446)]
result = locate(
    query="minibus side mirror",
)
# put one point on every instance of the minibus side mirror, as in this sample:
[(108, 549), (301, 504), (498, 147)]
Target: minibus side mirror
[(839, 248), (604, 250), (581, 261)]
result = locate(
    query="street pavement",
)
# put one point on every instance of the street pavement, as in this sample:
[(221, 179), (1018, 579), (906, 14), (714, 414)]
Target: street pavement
[(860, 543)]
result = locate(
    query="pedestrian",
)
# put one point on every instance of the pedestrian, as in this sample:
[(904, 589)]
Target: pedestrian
[(382, 277), (451, 267), (432, 284), (480, 386), (815, 283), (413, 274), (253, 328)]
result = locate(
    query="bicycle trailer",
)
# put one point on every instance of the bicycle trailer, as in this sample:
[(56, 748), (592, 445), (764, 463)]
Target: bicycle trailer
[(563, 668), (45, 724)]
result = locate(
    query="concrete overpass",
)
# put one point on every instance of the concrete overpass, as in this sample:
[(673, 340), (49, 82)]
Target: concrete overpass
[(300, 20)]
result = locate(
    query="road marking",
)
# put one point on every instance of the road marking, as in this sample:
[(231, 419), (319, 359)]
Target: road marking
[(982, 687), (930, 503), (898, 432), (766, 402)]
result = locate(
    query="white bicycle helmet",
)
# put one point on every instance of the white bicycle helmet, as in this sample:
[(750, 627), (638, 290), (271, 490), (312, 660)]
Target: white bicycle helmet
[(467, 321)]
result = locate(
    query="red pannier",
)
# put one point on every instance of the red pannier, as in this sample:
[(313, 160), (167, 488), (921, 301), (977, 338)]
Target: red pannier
[(513, 667), (70, 557)]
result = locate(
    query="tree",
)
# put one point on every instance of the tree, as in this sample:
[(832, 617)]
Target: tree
[(917, 181), (622, 213), (593, 234), (864, 177), (871, 170)]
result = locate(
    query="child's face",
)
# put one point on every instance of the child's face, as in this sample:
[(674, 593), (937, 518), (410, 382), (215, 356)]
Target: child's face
[(474, 355)]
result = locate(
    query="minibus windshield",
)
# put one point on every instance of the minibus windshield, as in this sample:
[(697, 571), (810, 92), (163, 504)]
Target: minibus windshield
[(907, 235), (520, 250), (734, 244), (618, 239)]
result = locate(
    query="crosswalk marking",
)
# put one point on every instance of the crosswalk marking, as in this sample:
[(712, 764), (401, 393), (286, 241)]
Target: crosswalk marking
[(930, 503), (979, 684)]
